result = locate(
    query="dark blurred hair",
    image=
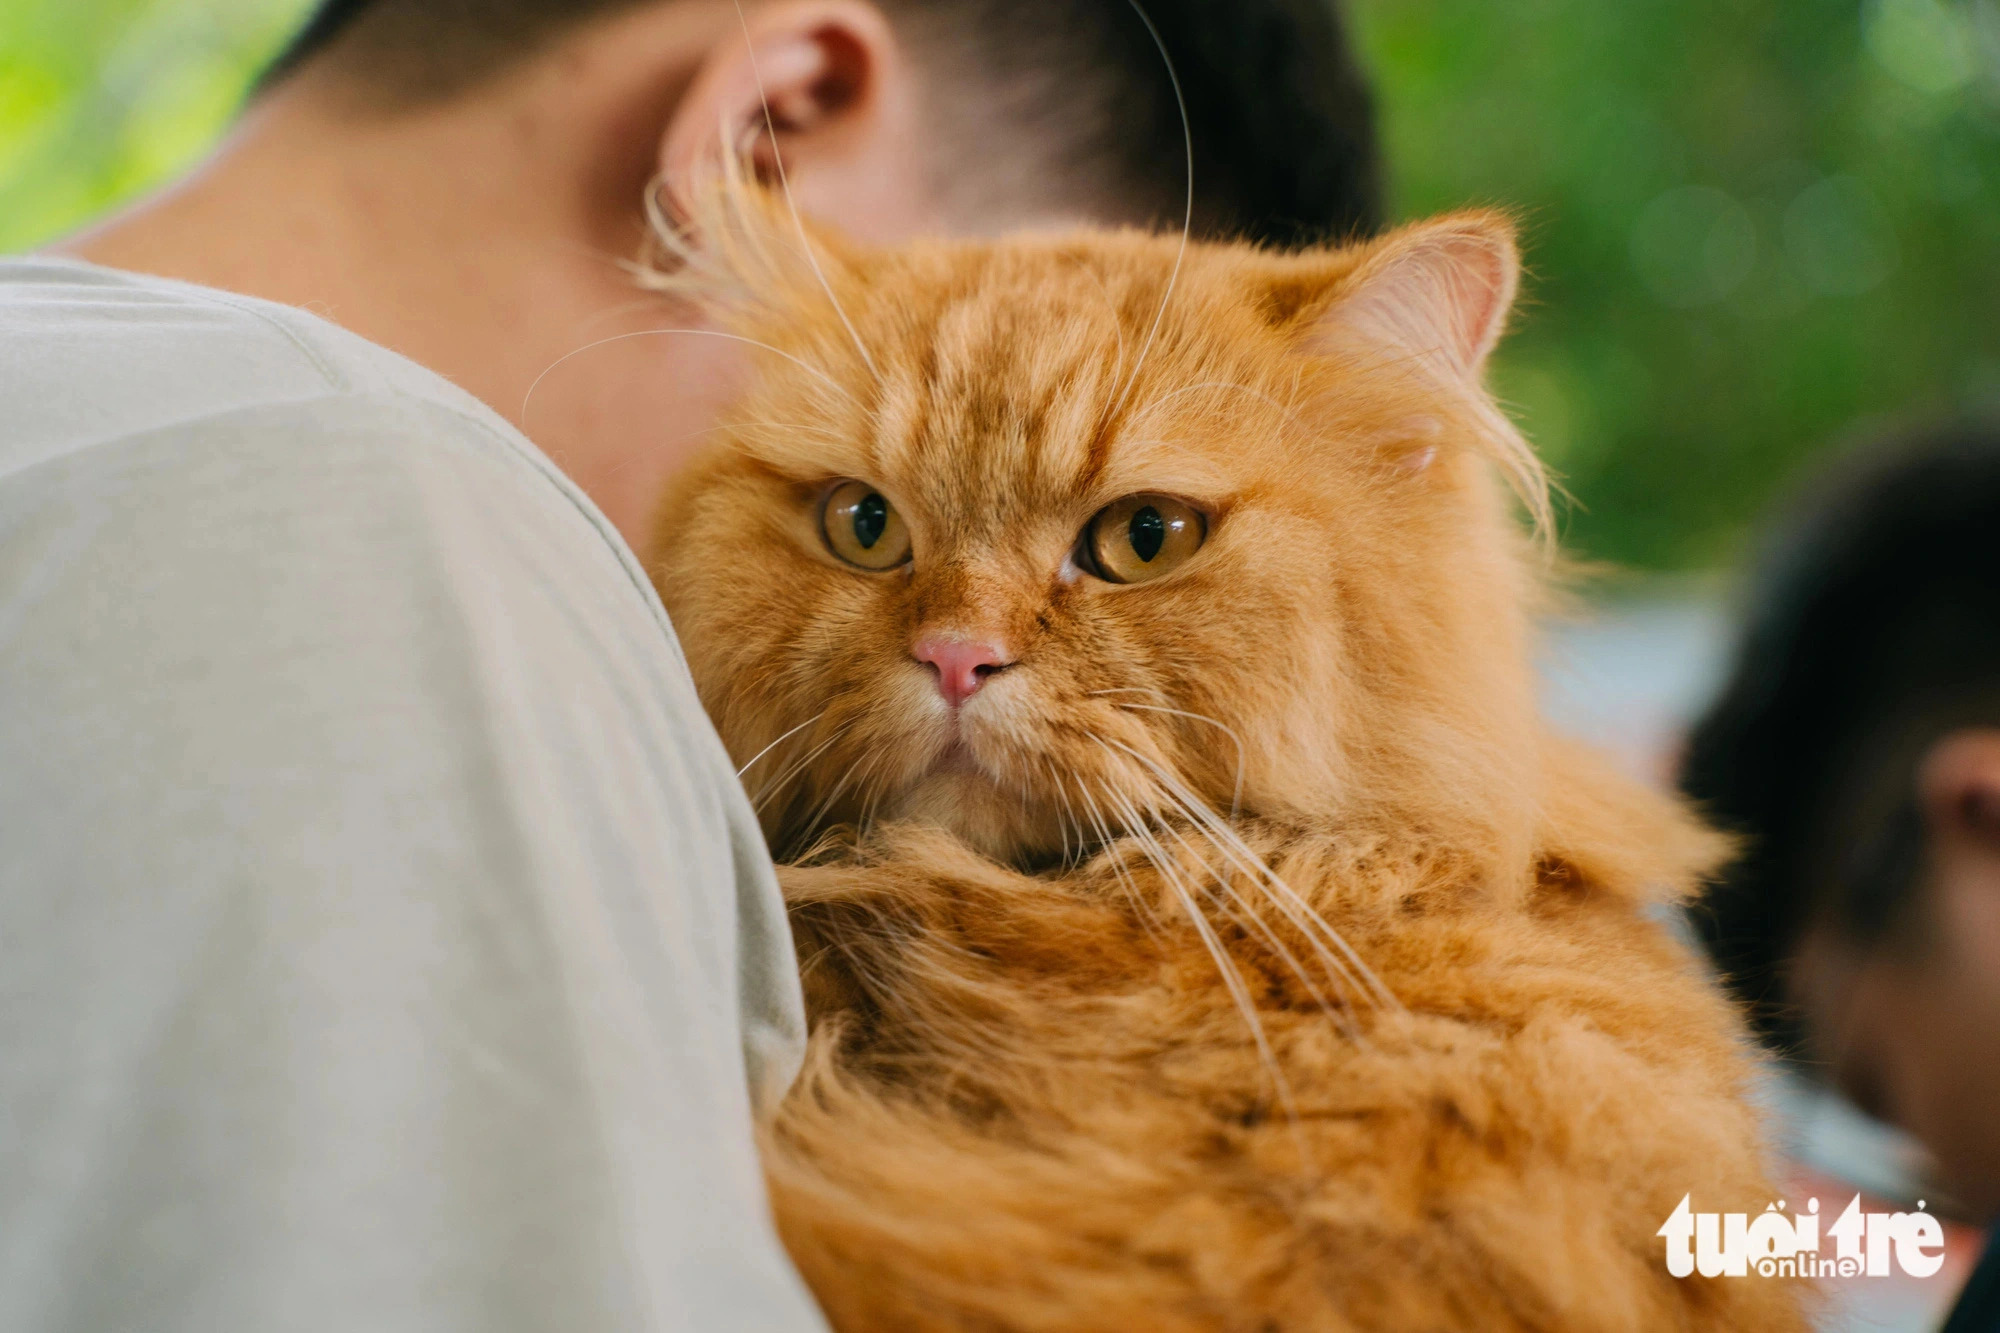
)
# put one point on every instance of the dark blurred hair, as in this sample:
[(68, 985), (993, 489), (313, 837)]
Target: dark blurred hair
[(1874, 629), (1283, 125)]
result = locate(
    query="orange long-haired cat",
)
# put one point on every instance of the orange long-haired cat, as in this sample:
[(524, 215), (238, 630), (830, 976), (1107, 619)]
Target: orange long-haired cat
[(1128, 648)]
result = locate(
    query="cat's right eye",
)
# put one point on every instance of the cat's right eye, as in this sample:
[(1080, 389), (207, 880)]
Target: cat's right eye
[(863, 528)]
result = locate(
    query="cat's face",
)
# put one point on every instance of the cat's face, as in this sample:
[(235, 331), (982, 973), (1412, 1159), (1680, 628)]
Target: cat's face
[(1008, 545)]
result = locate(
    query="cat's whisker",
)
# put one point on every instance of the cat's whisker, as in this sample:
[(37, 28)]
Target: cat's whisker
[(1236, 800), (1068, 816), (857, 961), (1084, 847), (1128, 689), (1138, 828), (649, 302), (1337, 1014), (1253, 921), (780, 741), (1062, 812), (1117, 324), (791, 204), (1024, 797), (800, 426), (870, 786), (1187, 222), (858, 774), (825, 806), (1287, 899), (784, 776), (880, 785), (1310, 924), (1232, 978), (806, 366), (628, 465), (876, 788), (1148, 918), (796, 768), (1291, 413)]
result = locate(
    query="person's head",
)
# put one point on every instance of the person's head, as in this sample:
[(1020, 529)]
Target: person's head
[(466, 181), (966, 114), (1856, 748)]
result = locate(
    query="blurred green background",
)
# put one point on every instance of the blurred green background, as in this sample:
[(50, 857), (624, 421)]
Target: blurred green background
[(1754, 225)]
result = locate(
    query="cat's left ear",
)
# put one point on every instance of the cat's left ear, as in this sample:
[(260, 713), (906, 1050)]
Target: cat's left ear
[(1440, 291)]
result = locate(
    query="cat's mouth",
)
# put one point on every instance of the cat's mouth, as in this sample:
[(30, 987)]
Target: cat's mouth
[(960, 796), (957, 757)]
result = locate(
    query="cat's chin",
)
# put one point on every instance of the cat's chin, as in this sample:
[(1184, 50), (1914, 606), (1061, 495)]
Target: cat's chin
[(965, 801)]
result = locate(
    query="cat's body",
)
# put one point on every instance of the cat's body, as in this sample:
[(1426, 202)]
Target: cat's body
[(1024, 1111), (1227, 946)]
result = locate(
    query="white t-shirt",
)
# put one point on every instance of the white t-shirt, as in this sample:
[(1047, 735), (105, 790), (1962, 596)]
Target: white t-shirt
[(385, 942)]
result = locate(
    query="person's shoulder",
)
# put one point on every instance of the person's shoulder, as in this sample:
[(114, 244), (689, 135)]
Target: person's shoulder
[(211, 407), (91, 354)]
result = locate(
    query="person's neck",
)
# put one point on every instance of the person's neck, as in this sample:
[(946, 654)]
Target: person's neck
[(481, 237)]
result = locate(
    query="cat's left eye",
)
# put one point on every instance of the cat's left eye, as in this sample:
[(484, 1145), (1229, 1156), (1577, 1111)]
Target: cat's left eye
[(1142, 537), (863, 528)]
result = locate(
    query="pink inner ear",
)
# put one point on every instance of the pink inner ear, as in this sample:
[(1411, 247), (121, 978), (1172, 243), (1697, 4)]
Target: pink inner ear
[(1481, 283), (1442, 293)]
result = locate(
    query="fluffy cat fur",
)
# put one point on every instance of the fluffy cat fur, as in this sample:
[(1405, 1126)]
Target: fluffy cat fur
[(1247, 955)]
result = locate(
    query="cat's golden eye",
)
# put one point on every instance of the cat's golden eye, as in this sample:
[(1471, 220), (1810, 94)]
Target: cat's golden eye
[(1142, 537), (863, 528)]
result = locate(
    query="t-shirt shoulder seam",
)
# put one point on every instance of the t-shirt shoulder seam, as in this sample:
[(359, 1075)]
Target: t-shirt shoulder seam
[(521, 448), (517, 447), (510, 443), (258, 310)]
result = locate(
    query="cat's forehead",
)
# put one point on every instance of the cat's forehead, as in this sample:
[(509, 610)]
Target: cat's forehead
[(1046, 385), (1003, 397)]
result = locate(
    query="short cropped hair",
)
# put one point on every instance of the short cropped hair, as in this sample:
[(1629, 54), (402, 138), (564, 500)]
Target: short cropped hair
[(1874, 631), (1281, 116)]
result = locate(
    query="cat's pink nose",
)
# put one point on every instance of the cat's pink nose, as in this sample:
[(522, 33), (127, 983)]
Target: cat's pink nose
[(962, 665)]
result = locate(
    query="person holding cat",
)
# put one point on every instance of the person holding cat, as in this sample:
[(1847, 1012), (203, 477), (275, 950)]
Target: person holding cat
[(385, 941)]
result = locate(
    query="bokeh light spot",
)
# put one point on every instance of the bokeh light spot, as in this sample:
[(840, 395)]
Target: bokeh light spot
[(1924, 43), (1838, 239), (1694, 245)]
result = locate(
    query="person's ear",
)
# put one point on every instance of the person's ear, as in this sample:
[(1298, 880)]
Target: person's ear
[(1958, 787), (818, 97)]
